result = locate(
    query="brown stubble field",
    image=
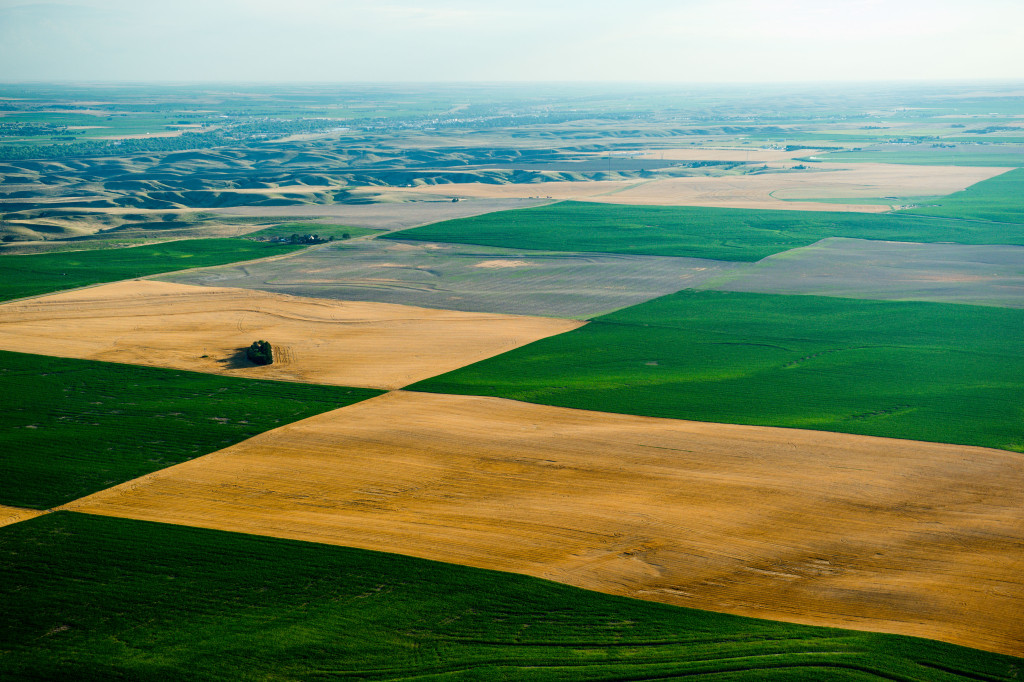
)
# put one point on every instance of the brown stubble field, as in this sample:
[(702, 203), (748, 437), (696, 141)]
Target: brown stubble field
[(206, 329), (811, 527)]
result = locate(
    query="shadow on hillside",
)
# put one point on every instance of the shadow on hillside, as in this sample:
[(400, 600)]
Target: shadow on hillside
[(237, 360)]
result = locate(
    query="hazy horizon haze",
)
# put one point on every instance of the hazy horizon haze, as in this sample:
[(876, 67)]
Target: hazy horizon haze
[(652, 41)]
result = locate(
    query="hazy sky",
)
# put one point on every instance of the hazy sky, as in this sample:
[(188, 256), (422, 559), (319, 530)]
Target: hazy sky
[(511, 40)]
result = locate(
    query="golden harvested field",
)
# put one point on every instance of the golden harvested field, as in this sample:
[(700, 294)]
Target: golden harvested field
[(580, 189), (9, 515), (826, 181), (376, 345), (823, 528), (763, 190)]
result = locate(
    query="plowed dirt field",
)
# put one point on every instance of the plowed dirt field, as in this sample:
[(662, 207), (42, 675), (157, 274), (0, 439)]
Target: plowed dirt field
[(465, 277), (206, 329), (869, 268), (821, 528)]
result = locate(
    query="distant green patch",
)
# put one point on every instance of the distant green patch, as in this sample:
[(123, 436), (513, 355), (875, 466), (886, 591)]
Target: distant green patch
[(998, 199), (324, 230), (715, 233), (72, 427), (94, 598), (42, 273), (922, 371)]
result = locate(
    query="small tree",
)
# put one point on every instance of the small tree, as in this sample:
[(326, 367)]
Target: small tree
[(260, 353)]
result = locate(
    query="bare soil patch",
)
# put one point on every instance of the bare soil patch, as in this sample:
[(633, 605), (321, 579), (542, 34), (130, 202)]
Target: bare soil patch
[(821, 528), (861, 268), (9, 515), (501, 264), (466, 277), (374, 345)]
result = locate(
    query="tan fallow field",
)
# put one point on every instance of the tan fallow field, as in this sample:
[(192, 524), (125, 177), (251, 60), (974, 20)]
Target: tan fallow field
[(782, 190), (822, 181), (821, 528), (568, 190), (9, 515), (206, 329)]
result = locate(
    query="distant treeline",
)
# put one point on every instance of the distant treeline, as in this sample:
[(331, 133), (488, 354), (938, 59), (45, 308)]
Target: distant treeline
[(32, 129)]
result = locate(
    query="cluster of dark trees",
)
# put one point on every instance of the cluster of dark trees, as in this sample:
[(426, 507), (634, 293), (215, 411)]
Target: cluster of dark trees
[(313, 238), (260, 353)]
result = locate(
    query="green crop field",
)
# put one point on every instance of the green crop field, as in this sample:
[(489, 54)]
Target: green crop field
[(43, 273), (998, 199), (714, 233), (922, 371), (72, 427), (95, 598)]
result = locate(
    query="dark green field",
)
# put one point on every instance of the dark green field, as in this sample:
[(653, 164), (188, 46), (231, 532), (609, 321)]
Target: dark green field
[(998, 199), (94, 598), (72, 427), (922, 371), (42, 273), (714, 233)]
